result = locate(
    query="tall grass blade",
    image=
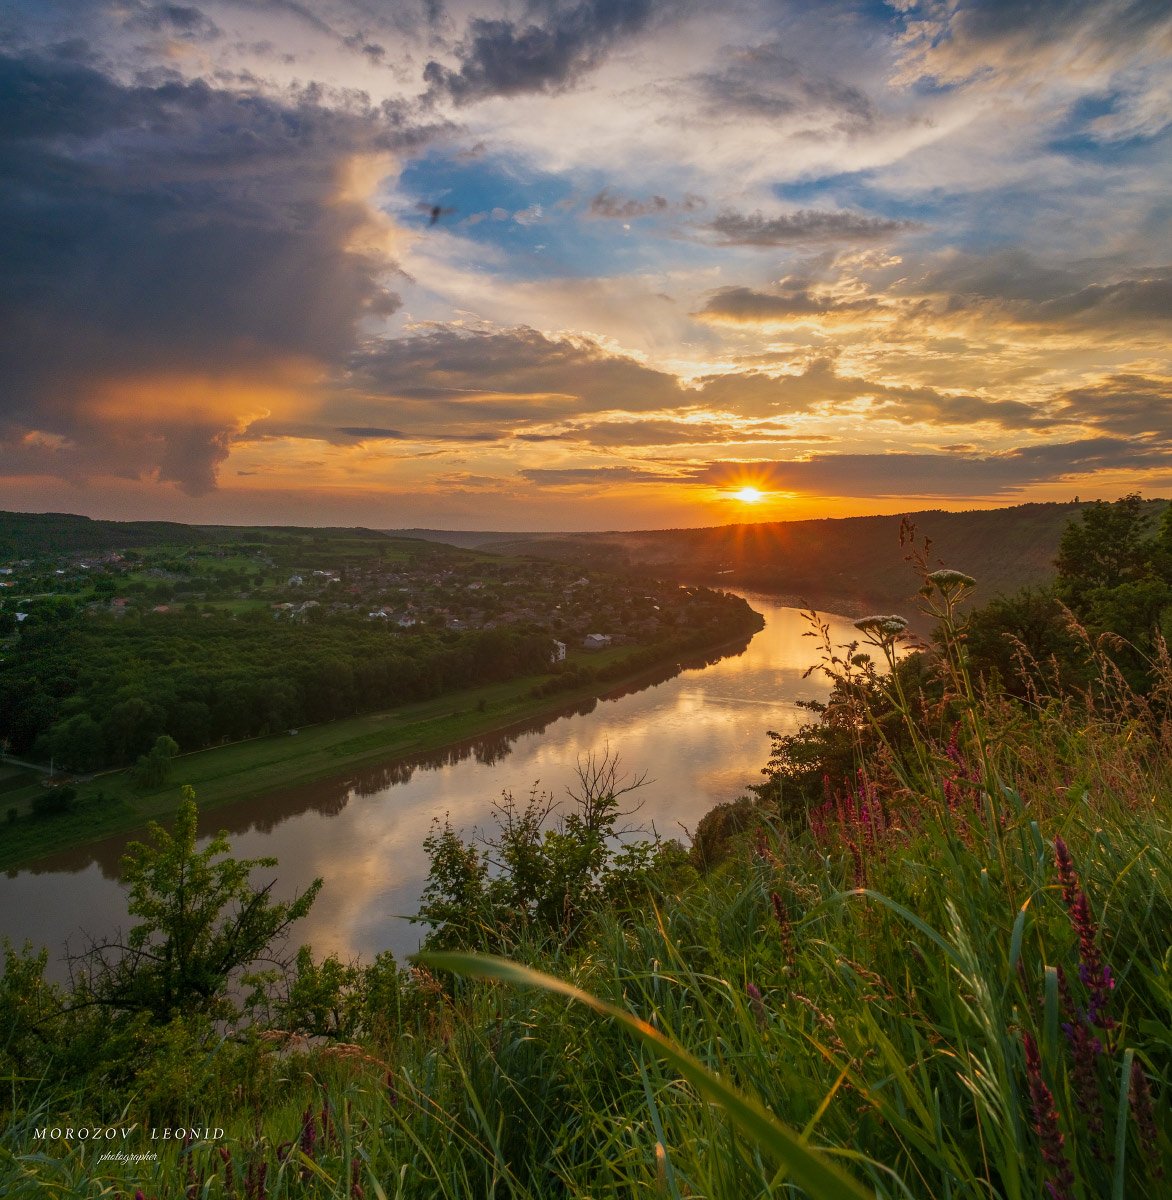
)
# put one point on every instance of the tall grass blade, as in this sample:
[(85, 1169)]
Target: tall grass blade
[(810, 1169)]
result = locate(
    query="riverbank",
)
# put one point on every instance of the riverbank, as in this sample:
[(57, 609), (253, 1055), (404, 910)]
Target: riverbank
[(113, 803)]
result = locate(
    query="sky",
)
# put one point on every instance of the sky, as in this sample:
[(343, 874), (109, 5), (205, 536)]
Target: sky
[(582, 264)]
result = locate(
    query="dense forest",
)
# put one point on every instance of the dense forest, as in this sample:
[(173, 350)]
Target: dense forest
[(928, 956), (98, 692)]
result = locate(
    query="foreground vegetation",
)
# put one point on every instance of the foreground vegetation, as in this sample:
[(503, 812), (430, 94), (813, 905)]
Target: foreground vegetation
[(948, 973)]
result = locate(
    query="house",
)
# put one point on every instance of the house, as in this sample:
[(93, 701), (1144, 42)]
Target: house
[(559, 652), (596, 641)]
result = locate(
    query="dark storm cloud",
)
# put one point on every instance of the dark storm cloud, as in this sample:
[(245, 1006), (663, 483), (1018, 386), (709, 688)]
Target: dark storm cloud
[(617, 208), (803, 227), (506, 58), (160, 230), (764, 81), (793, 298), (176, 20), (375, 51)]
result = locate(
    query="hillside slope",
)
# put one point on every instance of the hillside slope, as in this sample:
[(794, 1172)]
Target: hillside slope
[(854, 558)]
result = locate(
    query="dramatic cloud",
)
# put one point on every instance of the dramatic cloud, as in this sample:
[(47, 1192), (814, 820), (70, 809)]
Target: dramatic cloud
[(928, 240), (177, 260), (804, 227), (503, 58)]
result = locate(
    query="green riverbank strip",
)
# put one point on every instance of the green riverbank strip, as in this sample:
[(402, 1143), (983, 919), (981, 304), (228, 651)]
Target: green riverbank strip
[(113, 803)]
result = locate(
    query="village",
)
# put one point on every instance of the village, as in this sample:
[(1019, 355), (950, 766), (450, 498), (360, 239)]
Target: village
[(407, 586)]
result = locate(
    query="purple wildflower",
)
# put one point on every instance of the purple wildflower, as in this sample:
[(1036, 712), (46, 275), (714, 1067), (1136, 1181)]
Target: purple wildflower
[(784, 928), (757, 1004), (1085, 1049), (1140, 1096), (1060, 1184), (1066, 873), (1092, 970)]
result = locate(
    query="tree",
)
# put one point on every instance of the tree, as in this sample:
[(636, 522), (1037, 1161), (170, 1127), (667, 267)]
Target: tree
[(531, 875), (203, 922), (77, 742), (1107, 548), (152, 769)]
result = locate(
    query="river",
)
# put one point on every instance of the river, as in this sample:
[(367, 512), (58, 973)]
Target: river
[(699, 736)]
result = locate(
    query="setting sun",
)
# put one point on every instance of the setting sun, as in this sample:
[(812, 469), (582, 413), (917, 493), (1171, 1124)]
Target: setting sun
[(749, 495)]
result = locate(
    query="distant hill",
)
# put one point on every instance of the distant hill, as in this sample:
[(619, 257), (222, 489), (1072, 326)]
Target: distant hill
[(31, 535), (854, 559)]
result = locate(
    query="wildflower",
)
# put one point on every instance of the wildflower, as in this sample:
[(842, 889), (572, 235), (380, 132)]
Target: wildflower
[(1085, 1049), (1066, 873), (392, 1090), (882, 627), (308, 1132), (761, 845), (1060, 1185), (860, 869), (1140, 1097), (1095, 974), (756, 1003), (784, 928), (946, 579)]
